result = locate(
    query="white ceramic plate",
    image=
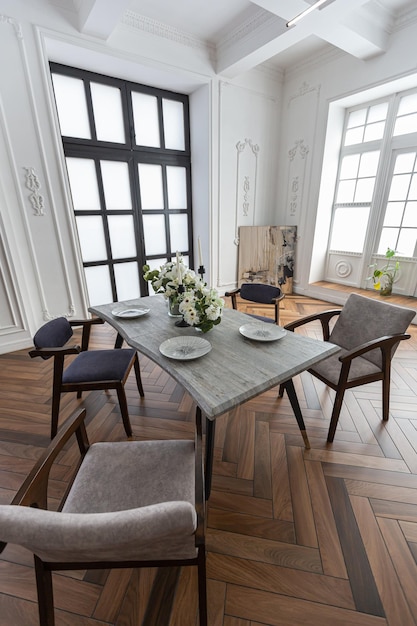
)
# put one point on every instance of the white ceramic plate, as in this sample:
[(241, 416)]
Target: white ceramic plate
[(262, 331), (130, 313), (185, 348)]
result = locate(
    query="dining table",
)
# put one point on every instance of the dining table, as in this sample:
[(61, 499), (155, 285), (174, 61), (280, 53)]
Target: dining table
[(237, 360)]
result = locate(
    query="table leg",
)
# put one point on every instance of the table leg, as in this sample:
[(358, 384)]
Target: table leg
[(289, 388), (210, 432)]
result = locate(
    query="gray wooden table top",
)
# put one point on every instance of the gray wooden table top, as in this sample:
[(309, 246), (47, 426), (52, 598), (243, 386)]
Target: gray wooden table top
[(235, 370)]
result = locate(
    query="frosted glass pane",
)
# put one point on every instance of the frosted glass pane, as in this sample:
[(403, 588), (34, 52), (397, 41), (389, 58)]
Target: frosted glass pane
[(178, 225), (410, 215), (150, 180), (407, 241), (116, 185), (173, 115), (122, 236), (177, 187), (377, 112), (364, 189), (399, 187), (354, 136), (405, 163), (98, 284), (394, 213), (408, 104), (91, 237), (373, 132), (127, 280), (83, 181), (349, 229), (357, 118), (388, 240), (369, 164), (154, 231), (145, 120), (345, 191), (108, 115), (70, 97), (405, 125), (349, 168)]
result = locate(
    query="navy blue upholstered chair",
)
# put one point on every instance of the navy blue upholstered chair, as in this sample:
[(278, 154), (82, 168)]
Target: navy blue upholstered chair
[(95, 369), (261, 294)]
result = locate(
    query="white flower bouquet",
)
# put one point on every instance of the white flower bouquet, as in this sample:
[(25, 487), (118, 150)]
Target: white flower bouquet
[(202, 308)]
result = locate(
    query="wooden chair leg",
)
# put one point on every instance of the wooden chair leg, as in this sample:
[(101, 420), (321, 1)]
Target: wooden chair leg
[(202, 586), (45, 593), (121, 394), (56, 400), (337, 407), (138, 376), (385, 396)]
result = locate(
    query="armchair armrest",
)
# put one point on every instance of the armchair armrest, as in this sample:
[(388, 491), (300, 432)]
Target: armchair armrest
[(385, 343), (46, 353), (34, 490), (324, 318), (232, 293)]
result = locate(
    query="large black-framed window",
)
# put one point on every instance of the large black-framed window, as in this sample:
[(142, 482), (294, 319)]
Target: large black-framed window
[(127, 149)]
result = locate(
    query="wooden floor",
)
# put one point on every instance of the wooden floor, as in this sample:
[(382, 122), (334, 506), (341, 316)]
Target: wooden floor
[(324, 537)]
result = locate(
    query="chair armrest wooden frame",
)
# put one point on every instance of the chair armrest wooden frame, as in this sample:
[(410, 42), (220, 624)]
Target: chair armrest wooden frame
[(86, 326), (324, 318), (34, 490)]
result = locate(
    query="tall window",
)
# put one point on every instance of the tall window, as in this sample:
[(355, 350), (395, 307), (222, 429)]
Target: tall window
[(127, 150), (375, 204)]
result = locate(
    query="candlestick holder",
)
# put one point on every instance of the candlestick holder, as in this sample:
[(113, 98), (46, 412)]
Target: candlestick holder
[(181, 323), (202, 271)]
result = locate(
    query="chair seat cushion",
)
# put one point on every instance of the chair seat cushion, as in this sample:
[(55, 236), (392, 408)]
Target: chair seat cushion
[(95, 365), (330, 368)]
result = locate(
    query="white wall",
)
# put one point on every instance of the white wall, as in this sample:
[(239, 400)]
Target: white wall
[(40, 271)]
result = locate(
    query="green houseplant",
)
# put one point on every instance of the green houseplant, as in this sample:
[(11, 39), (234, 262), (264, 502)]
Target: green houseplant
[(384, 277)]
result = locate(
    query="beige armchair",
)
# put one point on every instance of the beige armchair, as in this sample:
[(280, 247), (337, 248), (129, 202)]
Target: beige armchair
[(131, 504)]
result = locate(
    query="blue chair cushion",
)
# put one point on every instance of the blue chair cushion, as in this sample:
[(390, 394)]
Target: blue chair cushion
[(53, 334), (258, 292), (98, 365)]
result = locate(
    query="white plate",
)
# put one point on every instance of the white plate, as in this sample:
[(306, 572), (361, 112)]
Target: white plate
[(130, 313), (262, 331), (185, 348)]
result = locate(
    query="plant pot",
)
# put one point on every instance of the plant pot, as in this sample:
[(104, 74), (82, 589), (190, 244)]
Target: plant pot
[(386, 291)]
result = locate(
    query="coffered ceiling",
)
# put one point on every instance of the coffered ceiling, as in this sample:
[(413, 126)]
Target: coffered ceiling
[(242, 34)]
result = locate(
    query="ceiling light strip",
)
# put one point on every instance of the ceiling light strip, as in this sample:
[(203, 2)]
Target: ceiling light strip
[(311, 8)]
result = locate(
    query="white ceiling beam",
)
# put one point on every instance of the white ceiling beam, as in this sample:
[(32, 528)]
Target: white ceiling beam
[(99, 18), (345, 25)]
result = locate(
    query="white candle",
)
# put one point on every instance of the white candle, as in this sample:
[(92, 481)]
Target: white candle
[(179, 269), (200, 255)]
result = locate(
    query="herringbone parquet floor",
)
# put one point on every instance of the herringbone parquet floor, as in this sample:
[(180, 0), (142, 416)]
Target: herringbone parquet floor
[(323, 537)]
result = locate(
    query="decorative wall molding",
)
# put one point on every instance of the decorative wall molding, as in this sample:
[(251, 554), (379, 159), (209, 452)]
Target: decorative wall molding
[(158, 29), (5, 19), (343, 269), (246, 172), (304, 89), (297, 157), (33, 184)]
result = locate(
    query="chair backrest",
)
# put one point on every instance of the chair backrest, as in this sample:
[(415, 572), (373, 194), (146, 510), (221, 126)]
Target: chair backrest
[(363, 319), (53, 334), (258, 292)]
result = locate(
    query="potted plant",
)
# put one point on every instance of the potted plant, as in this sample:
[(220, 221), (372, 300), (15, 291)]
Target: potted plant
[(384, 277)]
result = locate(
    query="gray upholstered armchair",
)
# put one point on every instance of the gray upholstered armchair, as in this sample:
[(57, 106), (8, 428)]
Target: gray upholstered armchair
[(131, 504), (368, 332)]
